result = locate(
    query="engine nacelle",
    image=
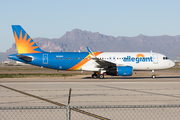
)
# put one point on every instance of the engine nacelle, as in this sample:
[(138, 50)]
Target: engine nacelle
[(124, 70)]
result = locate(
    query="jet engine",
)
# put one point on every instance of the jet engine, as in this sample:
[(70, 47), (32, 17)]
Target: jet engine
[(121, 70), (124, 70)]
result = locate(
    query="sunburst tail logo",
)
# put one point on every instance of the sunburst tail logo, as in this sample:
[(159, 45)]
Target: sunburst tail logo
[(140, 55), (24, 42)]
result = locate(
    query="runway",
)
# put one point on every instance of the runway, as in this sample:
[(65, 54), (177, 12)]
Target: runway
[(56, 103), (87, 78), (87, 91)]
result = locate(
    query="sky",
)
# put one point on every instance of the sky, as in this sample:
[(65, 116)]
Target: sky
[(53, 18)]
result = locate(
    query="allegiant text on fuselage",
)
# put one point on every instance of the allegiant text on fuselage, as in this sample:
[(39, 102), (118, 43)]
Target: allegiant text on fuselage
[(137, 59)]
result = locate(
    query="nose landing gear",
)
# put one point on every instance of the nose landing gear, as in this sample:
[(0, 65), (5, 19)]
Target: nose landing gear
[(153, 75)]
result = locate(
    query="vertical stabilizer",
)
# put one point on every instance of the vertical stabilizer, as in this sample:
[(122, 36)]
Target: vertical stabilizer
[(24, 42)]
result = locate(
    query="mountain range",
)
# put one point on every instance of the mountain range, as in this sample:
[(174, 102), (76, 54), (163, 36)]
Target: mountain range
[(77, 40)]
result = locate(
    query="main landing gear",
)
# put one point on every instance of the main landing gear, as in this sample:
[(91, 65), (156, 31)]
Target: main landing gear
[(94, 76), (97, 75), (101, 75), (153, 75)]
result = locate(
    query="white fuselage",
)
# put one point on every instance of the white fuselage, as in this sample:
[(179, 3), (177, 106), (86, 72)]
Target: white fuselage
[(138, 60)]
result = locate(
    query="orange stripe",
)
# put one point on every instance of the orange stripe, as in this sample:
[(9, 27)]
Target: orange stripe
[(81, 63)]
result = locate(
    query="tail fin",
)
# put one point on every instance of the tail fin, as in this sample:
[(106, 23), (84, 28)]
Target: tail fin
[(24, 43)]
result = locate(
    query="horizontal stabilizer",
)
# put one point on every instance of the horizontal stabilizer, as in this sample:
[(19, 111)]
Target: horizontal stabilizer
[(25, 58)]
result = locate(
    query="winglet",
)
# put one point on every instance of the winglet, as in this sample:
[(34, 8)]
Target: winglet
[(90, 52)]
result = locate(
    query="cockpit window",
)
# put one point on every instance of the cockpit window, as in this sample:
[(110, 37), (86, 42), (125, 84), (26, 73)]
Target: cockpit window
[(165, 58)]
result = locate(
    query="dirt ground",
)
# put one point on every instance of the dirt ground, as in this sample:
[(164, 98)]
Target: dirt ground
[(34, 69)]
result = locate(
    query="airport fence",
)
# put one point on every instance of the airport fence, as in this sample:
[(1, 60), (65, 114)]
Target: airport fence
[(117, 112)]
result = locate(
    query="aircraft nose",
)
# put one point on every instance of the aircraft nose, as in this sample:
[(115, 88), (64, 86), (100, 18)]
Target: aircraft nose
[(172, 64)]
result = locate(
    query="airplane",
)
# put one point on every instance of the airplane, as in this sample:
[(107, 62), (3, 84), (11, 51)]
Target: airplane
[(101, 63)]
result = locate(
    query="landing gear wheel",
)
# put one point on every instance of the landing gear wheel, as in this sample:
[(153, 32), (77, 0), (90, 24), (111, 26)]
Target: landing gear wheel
[(101, 76), (94, 76), (153, 76)]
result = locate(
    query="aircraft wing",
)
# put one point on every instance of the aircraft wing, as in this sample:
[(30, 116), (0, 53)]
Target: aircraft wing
[(102, 63)]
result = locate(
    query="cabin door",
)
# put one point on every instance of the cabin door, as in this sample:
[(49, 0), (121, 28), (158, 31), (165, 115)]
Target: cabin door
[(45, 58)]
